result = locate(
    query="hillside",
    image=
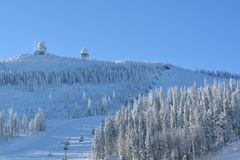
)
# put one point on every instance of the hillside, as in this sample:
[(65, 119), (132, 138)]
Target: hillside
[(64, 86), (29, 84)]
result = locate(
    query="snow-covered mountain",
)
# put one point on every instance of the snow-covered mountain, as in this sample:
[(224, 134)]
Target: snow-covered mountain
[(57, 84), (67, 88)]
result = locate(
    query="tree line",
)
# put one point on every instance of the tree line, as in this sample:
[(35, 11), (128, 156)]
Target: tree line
[(97, 73), (185, 122), (219, 74), (12, 125)]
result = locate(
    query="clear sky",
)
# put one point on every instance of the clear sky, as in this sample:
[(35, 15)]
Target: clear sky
[(189, 33)]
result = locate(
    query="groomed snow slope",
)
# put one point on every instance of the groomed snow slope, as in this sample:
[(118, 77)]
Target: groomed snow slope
[(49, 142)]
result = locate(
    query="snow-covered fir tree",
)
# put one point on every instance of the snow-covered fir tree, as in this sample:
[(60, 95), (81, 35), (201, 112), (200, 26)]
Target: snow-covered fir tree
[(104, 105), (24, 123), (31, 127), (89, 107), (12, 124), (39, 124)]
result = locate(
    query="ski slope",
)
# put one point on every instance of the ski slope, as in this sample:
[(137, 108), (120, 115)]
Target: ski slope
[(49, 142)]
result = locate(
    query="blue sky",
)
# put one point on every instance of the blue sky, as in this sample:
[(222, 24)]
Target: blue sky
[(188, 33)]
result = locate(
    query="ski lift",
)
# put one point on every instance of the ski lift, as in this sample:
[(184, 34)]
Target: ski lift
[(50, 155), (81, 139), (93, 131), (66, 144), (166, 67)]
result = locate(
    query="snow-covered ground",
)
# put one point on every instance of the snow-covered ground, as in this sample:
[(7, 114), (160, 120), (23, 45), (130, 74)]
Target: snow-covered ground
[(230, 152), (58, 101), (49, 142)]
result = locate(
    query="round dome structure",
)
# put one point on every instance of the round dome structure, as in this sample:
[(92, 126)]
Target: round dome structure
[(41, 48), (84, 53)]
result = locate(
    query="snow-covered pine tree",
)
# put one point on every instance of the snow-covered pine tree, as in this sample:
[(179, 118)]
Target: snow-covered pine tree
[(104, 104), (142, 136), (31, 127), (39, 124), (99, 143), (84, 96), (89, 107), (110, 135), (24, 123), (12, 124), (150, 135)]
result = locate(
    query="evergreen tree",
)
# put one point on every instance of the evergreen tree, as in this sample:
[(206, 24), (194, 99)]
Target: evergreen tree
[(104, 104), (12, 123), (110, 135), (31, 127), (24, 123), (89, 107), (39, 124)]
